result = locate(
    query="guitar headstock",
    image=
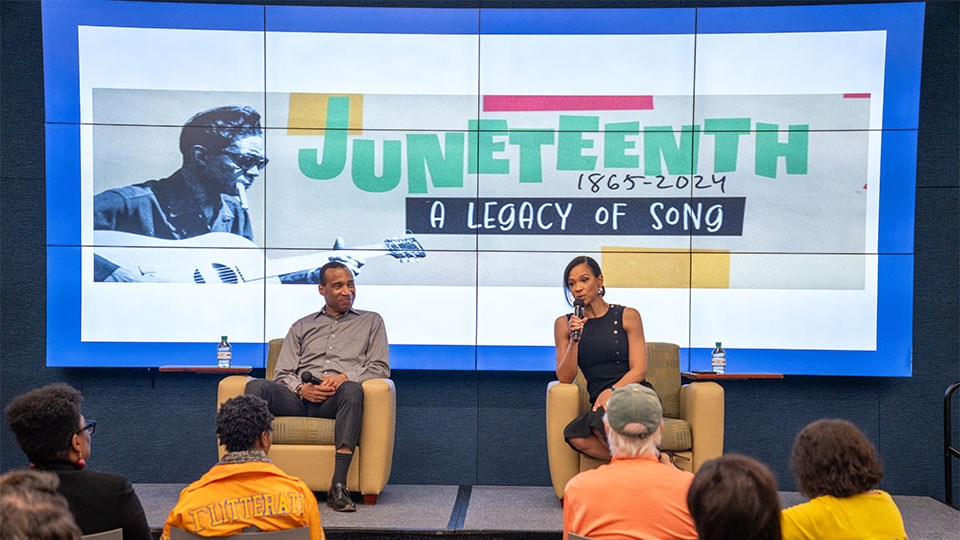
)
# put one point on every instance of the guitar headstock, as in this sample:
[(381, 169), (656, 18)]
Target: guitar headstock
[(406, 248)]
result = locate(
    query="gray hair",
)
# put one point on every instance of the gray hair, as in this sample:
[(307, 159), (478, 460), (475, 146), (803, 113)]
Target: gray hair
[(625, 446)]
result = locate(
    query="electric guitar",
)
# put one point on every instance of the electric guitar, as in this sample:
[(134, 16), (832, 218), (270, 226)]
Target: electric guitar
[(221, 257)]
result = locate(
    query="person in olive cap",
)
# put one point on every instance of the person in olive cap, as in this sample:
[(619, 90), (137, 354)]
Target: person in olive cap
[(635, 495)]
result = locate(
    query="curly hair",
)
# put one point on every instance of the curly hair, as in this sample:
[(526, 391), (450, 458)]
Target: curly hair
[(44, 421), (734, 497), (217, 128), (832, 457), (31, 508), (241, 420)]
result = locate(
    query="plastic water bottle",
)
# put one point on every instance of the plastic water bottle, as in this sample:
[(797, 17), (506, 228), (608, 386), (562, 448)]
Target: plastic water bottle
[(224, 353), (719, 360)]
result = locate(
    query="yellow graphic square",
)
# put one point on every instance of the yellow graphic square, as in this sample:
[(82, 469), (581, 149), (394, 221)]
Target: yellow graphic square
[(665, 268), (308, 113)]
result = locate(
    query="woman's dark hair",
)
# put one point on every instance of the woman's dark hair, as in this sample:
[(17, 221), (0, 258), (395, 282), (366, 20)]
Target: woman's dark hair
[(735, 497), (832, 457), (31, 508), (44, 421), (241, 420), (594, 269)]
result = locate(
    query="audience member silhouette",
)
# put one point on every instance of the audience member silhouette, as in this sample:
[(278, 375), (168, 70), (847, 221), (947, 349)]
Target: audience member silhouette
[(735, 497), (636, 495), (245, 492), (55, 436), (838, 468), (31, 508)]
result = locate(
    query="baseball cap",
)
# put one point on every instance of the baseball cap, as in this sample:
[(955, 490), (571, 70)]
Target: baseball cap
[(634, 403)]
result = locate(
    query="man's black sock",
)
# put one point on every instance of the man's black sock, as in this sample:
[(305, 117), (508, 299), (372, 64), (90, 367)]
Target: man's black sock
[(340, 469)]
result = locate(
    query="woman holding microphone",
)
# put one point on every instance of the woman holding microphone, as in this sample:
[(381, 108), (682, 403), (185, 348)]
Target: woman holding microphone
[(605, 341)]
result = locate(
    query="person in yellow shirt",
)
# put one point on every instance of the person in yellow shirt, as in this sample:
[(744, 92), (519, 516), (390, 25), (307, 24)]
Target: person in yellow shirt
[(245, 492), (837, 467)]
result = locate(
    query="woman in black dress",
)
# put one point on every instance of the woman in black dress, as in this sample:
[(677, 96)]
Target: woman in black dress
[(611, 352)]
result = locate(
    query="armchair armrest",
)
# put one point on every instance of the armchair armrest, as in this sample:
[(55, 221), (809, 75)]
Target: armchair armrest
[(231, 386), (701, 405), (377, 434), (563, 405)]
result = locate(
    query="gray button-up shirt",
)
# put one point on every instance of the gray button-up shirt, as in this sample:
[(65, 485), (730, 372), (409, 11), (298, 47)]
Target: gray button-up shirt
[(355, 345)]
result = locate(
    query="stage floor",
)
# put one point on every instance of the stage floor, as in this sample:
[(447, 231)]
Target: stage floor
[(512, 509)]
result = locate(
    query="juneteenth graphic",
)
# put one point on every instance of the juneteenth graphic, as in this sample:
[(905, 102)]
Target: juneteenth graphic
[(740, 173), (598, 165)]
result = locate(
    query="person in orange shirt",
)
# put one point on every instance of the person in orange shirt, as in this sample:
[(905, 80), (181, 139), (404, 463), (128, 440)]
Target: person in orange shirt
[(245, 492), (635, 496)]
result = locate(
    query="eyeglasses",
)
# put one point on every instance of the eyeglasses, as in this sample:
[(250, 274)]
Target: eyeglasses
[(90, 426), (245, 161)]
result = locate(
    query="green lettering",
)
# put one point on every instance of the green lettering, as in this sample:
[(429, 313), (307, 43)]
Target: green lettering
[(445, 166), (680, 157), (570, 143), (481, 147), (615, 145), (769, 149), (364, 166), (529, 143), (334, 144), (726, 139)]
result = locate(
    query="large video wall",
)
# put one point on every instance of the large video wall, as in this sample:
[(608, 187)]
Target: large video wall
[(743, 175)]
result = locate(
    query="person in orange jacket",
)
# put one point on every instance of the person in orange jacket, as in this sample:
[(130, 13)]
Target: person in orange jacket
[(245, 492)]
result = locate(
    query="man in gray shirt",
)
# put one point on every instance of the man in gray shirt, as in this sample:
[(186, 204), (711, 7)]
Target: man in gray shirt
[(324, 359)]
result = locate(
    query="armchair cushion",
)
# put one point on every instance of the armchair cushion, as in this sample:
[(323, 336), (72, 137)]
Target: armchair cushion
[(302, 430), (676, 435)]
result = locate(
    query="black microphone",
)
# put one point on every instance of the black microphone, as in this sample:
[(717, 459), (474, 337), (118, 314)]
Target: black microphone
[(578, 311), (308, 377)]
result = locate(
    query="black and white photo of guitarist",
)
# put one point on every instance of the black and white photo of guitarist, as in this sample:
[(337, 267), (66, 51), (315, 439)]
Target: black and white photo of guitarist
[(223, 155)]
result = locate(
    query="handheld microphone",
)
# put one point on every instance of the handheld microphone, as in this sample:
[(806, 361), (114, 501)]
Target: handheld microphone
[(578, 311), (307, 377)]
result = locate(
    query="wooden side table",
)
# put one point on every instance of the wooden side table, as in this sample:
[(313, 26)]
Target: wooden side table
[(710, 376), (232, 370)]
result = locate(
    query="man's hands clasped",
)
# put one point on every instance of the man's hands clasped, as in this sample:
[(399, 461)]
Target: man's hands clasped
[(318, 393)]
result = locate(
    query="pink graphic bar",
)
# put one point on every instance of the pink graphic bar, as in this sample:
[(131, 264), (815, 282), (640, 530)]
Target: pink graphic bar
[(567, 103), (856, 95)]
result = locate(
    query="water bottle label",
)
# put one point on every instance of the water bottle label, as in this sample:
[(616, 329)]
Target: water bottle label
[(719, 363)]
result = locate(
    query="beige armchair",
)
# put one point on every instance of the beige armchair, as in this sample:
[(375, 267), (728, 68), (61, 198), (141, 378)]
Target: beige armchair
[(303, 446), (692, 423)]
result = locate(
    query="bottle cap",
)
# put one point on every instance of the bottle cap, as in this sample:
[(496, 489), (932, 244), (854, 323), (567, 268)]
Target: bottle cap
[(718, 343), (224, 338)]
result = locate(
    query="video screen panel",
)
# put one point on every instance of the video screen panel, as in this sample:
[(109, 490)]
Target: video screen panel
[(743, 175)]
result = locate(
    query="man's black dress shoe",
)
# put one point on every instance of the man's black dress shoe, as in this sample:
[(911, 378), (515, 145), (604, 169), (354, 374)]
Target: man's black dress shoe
[(338, 498)]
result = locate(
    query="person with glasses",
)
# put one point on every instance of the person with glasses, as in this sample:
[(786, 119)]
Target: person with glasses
[(223, 155), (55, 436)]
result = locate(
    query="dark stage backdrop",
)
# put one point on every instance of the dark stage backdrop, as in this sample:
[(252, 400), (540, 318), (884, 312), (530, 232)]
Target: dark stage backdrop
[(485, 427)]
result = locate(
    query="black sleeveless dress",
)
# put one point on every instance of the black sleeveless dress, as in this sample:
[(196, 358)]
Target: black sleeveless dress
[(604, 358)]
